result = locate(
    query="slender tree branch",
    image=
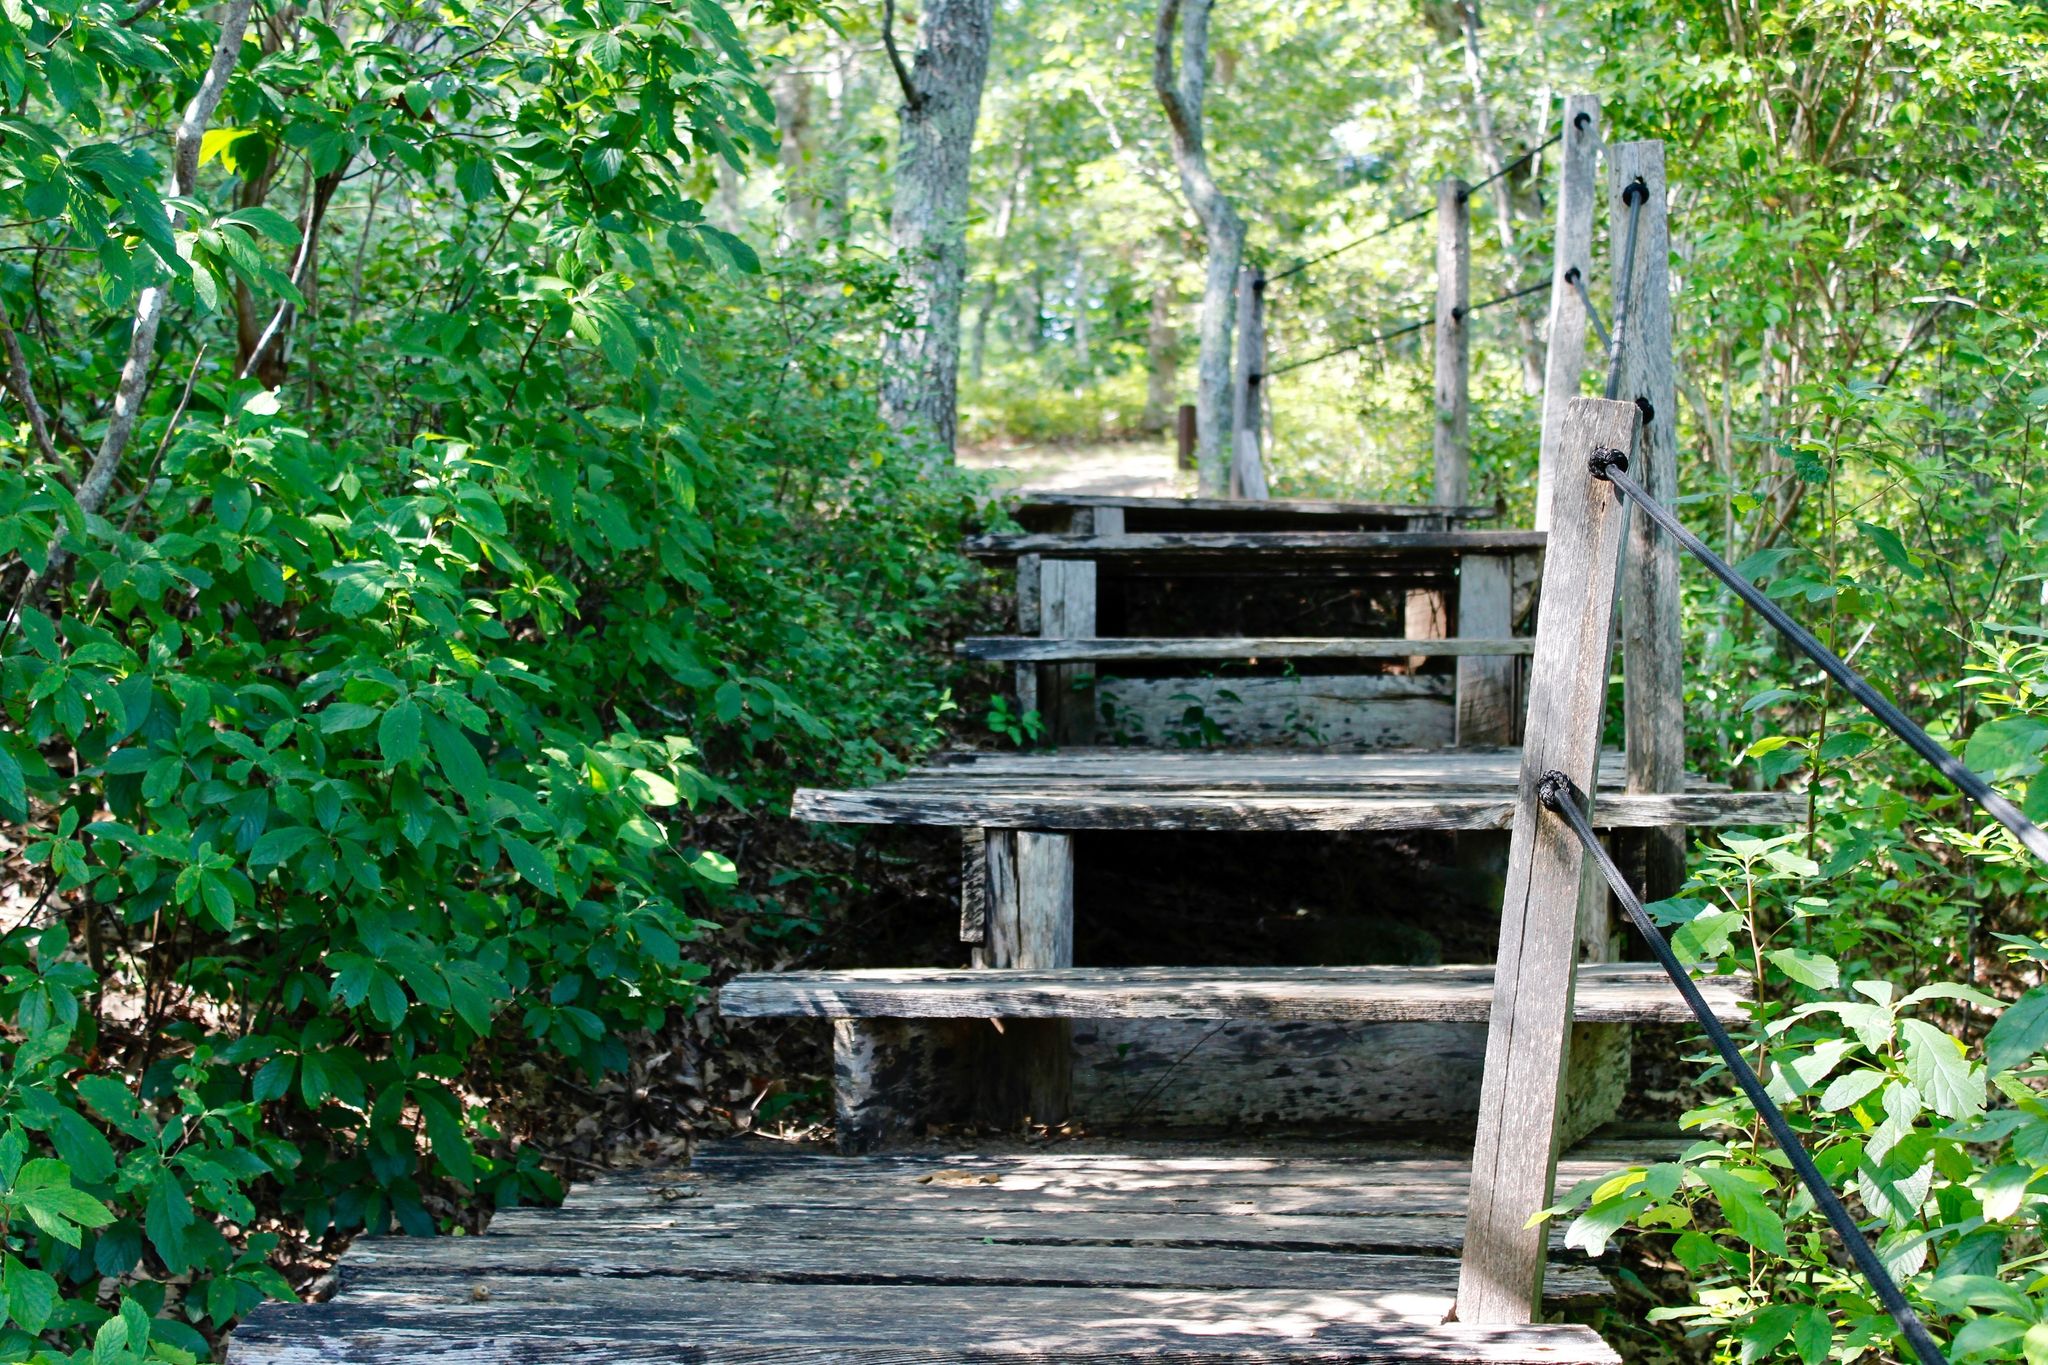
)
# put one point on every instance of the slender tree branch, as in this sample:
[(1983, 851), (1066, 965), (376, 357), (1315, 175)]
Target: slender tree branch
[(911, 98), (18, 380)]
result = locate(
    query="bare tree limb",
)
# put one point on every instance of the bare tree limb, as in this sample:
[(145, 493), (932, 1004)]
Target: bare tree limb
[(18, 380), (149, 306), (903, 77)]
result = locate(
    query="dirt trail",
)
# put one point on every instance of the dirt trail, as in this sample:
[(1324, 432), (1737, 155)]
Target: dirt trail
[(1127, 468)]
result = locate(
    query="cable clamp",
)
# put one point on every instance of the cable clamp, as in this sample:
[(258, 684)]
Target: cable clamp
[(1638, 192), (1554, 789), (1604, 459)]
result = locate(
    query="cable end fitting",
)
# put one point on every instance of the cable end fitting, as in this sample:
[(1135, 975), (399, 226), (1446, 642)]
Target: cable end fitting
[(1572, 276), (1582, 120), (1638, 192), (1553, 789), (1604, 460)]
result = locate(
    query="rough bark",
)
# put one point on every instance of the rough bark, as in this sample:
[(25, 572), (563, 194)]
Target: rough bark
[(794, 154), (928, 222), (1182, 98)]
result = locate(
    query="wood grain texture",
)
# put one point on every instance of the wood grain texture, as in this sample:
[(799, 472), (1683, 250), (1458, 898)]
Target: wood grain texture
[(1486, 683), (1514, 1151), (974, 886), (1067, 606), (1152, 649), (890, 1077), (1453, 364), (1247, 388), (1578, 191), (1616, 992), (1027, 1070), (1270, 506), (1316, 711), (756, 1256), (1242, 544), (1652, 646), (1224, 810)]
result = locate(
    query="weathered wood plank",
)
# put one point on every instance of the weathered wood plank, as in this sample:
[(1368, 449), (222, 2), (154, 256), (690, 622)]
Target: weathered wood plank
[(1238, 544), (1147, 649), (877, 1255), (890, 1077), (1653, 651), (974, 886), (1343, 711), (1515, 1150), (1027, 1070), (1273, 506), (552, 1324), (1453, 442), (1258, 811), (1067, 604), (1571, 266), (1613, 992), (1486, 684)]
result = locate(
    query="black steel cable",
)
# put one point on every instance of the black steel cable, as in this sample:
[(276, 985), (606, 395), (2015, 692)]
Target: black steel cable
[(1521, 160), (1375, 338), (1577, 279), (1613, 466), (1511, 295), (1374, 235), (1560, 794), (1635, 196)]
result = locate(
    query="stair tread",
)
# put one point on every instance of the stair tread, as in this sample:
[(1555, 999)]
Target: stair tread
[(1250, 506), (1141, 649), (1242, 544), (1261, 789), (1608, 992)]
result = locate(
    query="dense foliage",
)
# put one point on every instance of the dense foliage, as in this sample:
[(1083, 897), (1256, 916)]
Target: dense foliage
[(488, 512)]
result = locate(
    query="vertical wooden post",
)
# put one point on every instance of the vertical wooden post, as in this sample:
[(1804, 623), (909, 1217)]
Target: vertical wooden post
[(1514, 1155), (1571, 266), (1063, 608), (1486, 682), (1028, 1070), (1453, 359), (1247, 390), (1653, 691), (1184, 436)]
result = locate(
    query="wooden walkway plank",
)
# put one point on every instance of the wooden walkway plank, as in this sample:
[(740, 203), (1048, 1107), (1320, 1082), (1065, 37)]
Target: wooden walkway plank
[(1267, 506), (1607, 993), (1239, 544)]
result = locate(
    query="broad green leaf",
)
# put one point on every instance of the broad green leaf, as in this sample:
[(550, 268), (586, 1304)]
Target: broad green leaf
[(1747, 1214), (398, 734), (2001, 747), (2020, 1033), (1807, 968)]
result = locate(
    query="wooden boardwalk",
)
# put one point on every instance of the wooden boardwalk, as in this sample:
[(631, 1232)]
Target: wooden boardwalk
[(761, 1253)]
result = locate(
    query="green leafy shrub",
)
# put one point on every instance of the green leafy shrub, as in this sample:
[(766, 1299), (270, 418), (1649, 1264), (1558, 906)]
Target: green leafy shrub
[(365, 747)]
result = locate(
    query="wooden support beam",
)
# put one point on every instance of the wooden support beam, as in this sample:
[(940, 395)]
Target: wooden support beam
[(1247, 446), (1028, 1071), (1571, 260), (1184, 434), (1653, 690), (1514, 1153), (1453, 357), (1065, 610), (1486, 684)]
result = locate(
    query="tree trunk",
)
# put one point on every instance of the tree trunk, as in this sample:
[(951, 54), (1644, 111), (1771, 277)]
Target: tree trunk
[(1503, 192), (941, 101), (1081, 352), (1161, 371), (1182, 100), (795, 156)]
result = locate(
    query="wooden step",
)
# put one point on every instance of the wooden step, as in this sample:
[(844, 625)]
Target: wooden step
[(1133, 649), (1244, 545), (759, 1256), (1058, 512), (1258, 790), (1607, 993)]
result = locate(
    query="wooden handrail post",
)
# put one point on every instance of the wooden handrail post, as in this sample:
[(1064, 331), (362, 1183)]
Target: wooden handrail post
[(1653, 690), (1514, 1155), (1571, 268), (1247, 446), (1453, 357)]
